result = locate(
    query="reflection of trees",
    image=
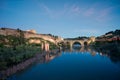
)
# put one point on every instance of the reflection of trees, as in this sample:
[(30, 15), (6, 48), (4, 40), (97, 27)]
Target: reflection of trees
[(40, 58), (114, 57), (110, 49), (103, 52)]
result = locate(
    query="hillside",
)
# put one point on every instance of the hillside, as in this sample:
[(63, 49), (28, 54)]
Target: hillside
[(109, 36), (17, 46), (29, 34)]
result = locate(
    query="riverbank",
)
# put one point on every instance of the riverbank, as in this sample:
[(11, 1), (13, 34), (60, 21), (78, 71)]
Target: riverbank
[(111, 49), (15, 49), (108, 47), (69, 66), (41, 57), (10, 56)]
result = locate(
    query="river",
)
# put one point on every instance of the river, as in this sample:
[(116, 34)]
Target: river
[(76, 64)]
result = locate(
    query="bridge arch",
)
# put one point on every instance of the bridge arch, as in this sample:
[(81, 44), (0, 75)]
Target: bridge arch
[(75, 41), (85, 43), (76, 44)]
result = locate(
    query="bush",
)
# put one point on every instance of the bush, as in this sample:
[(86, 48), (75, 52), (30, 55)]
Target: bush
[(10, 56), (3, 65)]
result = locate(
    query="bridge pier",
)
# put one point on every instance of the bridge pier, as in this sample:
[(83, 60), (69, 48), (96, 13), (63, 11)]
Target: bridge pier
[(71, 46), (45, 46)]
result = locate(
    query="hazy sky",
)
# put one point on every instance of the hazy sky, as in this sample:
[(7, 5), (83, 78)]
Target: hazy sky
[(66, 18)]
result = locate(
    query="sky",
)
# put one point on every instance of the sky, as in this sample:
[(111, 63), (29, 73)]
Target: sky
[(65, 18)]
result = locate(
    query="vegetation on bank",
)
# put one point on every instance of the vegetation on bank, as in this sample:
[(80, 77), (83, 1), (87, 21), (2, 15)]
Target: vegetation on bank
[(111, 48), (16, 49), (11, 56), (64, 45), (78, 38), (110, 34), (114, 33)]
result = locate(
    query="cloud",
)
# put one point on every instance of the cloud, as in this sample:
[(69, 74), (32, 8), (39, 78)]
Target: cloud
[(89, 12), (104, 14), (66, 10), (53, 13), (75, 9), (47, 10)]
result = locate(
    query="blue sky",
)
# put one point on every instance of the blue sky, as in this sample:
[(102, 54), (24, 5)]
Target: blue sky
[(65, 18)]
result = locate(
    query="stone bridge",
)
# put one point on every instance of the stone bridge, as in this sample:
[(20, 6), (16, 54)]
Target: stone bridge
[(82, 42)]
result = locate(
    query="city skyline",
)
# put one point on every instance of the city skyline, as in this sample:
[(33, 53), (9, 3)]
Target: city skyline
[(65, 18)]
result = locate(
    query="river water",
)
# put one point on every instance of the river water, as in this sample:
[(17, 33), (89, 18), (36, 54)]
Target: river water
[(80, 64)]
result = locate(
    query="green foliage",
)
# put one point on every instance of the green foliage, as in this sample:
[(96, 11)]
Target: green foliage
[(78, 38), (13, 49), (110, 32), (116, 32), (3, 65), (10, 56), (111, 48), (11, 40), (64, 45), (52, 45)]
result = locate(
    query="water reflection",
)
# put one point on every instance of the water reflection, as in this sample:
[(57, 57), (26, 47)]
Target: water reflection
[(113, 55), (70, 66), (44, 57), (50, 56), (93, 52), (82, 50)]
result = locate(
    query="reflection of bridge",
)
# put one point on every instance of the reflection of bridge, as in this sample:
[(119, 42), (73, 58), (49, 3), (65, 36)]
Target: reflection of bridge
[(82, 42), (83, 50), (51, 55)]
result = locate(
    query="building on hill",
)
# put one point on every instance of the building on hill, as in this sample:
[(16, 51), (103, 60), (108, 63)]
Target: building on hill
[(107, 35), (32, 31)]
